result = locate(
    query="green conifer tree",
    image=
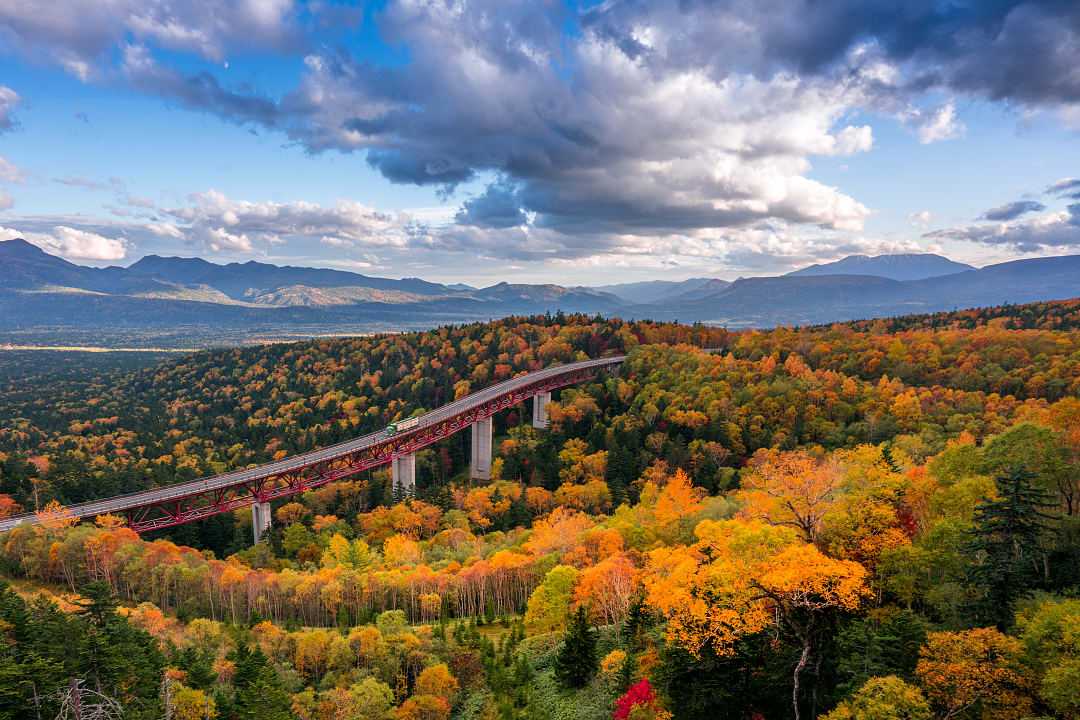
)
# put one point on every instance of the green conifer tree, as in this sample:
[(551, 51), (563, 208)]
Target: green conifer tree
[(1006, 545), (576, 662)]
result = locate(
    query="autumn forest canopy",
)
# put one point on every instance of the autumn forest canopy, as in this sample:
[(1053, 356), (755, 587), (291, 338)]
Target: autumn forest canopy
[(876, 520)]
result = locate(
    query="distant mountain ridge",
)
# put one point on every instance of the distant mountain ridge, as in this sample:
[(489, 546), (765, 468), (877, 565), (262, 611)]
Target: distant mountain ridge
[(653, 291), (911, 266), (814, 299), (246, 280), (39, 290)]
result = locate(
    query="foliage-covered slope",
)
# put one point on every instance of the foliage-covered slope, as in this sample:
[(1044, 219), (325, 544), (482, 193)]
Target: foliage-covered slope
[(840, 520)]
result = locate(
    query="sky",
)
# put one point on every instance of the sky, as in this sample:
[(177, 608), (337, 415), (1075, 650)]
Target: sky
[(541, 141)]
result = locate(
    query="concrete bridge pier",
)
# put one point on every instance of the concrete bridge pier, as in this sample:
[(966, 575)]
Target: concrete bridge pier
[(480, 460), (403, 474), (261, 519), (540, 414)]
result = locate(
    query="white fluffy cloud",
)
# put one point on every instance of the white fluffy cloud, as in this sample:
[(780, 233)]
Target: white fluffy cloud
[(934, 125), (226, 225), (73, 243)]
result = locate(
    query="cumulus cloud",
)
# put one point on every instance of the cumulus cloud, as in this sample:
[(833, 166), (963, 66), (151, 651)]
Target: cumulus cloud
[(626, 148), (78, 34), (934, 125), (635, 131), (8, 100), (1017, 50), (6, 201), (72, 243), (1013, 210), (223, 224)]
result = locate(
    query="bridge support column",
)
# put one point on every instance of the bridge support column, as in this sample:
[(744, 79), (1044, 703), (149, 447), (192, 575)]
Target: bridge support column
[(480, 461), (260, 519), (403, 474), (540, 415)]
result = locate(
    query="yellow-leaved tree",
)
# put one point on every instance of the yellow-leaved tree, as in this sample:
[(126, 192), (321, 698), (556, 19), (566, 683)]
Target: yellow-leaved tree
[(974, 669), (744, 576), (792, 489)]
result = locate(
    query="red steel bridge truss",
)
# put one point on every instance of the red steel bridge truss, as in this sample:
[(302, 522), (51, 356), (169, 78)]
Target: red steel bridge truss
[(201, 499)]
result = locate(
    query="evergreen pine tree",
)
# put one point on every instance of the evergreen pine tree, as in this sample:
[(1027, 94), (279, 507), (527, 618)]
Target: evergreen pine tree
[(627, 672), (621, 471), (260, 694), (636, 624), (1006, 545), (576, 662)]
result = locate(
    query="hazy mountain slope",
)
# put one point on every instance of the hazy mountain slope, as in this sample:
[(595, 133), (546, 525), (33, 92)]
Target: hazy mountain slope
[(548, 297), (1017, 281), (786, 300), (916, 266), (245, 280), (708, 288), (818, 299), (652, 291), (307, 296)]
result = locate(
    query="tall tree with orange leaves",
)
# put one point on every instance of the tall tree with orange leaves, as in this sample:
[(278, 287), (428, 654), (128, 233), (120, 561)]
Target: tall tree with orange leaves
[(793, 489), (743, 577)]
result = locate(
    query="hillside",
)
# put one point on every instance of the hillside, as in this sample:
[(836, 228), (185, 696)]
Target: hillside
[(684, 478)]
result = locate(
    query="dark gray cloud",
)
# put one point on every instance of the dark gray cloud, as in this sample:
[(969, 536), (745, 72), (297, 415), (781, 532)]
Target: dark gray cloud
[(497, 207), (1013, 210), (1020, 50)]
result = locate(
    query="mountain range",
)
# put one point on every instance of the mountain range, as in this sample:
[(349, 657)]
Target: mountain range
[(910, 266), (39, 291)]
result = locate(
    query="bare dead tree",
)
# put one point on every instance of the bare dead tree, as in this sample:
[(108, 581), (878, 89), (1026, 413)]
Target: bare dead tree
[(82, 703)]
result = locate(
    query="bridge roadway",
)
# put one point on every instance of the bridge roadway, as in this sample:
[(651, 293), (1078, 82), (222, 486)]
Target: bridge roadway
[(250, 477)]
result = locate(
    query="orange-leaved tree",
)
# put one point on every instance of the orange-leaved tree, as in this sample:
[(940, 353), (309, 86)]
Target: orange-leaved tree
[(743, 577), (793, 489), (975, 672)]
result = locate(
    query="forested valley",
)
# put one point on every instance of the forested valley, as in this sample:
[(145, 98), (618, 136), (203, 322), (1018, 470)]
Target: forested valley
[(873, 520)]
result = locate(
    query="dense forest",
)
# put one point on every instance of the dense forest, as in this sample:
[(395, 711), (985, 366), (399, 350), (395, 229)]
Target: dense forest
[(863, 521)]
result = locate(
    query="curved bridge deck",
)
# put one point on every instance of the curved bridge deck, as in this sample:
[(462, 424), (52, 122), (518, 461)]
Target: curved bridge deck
[(198, 499)]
